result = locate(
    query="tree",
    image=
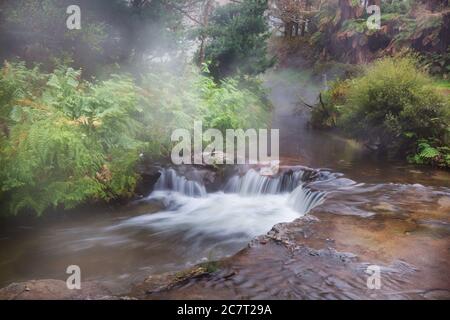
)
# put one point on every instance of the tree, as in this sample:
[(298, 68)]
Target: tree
[(294, 14), (113, 31), (236, 39)]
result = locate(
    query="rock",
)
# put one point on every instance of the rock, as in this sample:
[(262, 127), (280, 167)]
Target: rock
[(271, 169), (444, 203), (149, 175), (437, 294), (384, 206), (50, 289)]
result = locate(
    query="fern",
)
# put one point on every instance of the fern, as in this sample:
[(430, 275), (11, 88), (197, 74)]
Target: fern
[(68, 141)]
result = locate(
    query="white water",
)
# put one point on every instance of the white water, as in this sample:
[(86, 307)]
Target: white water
[(169, 180), (217, 215), (252, 183), (251, 206)]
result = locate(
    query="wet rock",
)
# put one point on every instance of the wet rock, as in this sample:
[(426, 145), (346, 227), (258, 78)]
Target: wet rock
[(437, 294), (54, 290), (384, 206), (270, 169), (208, 176), (444, 203), (149, 174)]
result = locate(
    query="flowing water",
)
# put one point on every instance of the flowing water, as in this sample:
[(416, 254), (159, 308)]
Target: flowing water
[(191, 226), (181, 224)]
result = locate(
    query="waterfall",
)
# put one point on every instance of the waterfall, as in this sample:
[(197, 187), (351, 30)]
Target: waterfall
[(170, 180), (303, 199), (291, 184), (253, 183)]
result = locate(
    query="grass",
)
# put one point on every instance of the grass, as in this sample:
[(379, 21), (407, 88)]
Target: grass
[(443, 86)]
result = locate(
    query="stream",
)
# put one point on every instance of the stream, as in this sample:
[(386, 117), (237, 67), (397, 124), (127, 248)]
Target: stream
[(366, 206)]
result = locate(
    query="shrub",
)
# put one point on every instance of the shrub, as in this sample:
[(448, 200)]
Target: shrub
[(169, 101), (326, 113), (428, 153), (235, 104), (394, 105)]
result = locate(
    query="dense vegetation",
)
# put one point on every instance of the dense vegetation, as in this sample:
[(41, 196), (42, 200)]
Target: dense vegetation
[(393, 107), (65, 140), (102, 99)]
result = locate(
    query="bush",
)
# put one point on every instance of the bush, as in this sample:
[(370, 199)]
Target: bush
[(393, 105), (65, 141), (169, 101), (326, 113), (235, 104)]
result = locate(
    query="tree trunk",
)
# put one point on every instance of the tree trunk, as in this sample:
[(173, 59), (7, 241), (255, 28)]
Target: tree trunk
[(205, 19), (288, 27), (347, 10)]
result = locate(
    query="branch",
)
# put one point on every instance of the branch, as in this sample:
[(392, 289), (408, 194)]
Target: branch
[(305, 104), (184, 12)]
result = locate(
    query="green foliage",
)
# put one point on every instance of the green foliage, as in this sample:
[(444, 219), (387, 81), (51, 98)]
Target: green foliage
[(169, 101), (339, 31), (425, 27), (431, 155), (357, 25), (40, 29), (391, 99), (435, 63), (230, 105), (398, 7), (236, 39), (65, 141), (326, 113), (394, 105)]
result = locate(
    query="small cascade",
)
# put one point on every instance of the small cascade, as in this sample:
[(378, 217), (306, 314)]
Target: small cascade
[(253, 183), (170, 180), (289, 185), (303, 199)]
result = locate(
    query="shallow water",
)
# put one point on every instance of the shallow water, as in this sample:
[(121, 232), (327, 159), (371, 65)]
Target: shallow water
[(169, 230)]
